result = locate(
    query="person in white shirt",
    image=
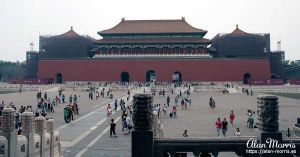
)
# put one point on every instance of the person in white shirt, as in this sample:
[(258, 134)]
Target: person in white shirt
[(129, 125), (165, 109), (237, 132)]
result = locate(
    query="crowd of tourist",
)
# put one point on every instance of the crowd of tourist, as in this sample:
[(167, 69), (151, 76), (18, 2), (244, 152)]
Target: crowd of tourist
[(182, 100), (126, 110), (44, 106), (182, 97)]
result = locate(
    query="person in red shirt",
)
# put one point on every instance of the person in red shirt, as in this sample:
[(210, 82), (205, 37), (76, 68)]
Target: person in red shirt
[(231, 118), (174, 110), (218, 126)]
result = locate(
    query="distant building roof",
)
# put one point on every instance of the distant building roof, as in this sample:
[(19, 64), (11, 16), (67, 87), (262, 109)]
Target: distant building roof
[(152, 40), (237, 31), (70, 33), (152, 26), (240, 33)]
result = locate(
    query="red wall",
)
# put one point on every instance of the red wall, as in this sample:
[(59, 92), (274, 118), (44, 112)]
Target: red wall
[(294, 81), (191, 70)]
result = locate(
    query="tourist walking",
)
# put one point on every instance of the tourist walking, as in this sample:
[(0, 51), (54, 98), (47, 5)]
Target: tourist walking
[(185, 105), (129, 125), (224, 127), (165, 109), (75, 98), (125, 124), (45, 96), (182, 103), (112, 130), (107, 93), (2, 105), (123, 120), (76, 108), (71, 110), (37, 112), (38, 96), (212, 103), (121, 104), (116, 105), (185, 133), (250, 121), (109, 110), (70, 99), (218, 125), (63, 98), (174, 110), (59, 93), (128, 93), (97, 95), (52, 106), (57, 100), (129, 109), (231, 118), (168, 100), (176, 100), (158, 110), (102, 93)]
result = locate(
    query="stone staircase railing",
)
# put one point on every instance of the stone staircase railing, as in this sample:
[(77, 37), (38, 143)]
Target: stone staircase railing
[(38, 138)]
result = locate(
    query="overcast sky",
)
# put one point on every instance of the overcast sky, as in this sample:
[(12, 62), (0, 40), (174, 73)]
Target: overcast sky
[(22, 21)]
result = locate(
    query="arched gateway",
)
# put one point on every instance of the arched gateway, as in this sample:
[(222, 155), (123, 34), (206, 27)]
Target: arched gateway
[(125, 76), (177, 77), (150, 76), (247, 78), (59, 78)]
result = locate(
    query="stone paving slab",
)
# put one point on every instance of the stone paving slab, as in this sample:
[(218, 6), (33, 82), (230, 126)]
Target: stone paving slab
[(111, 147), (83, 126), (102, 128)]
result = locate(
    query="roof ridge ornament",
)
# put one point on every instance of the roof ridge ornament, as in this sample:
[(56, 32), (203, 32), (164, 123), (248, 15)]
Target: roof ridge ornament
[(123, 19), (71, 27), (183, 18), (237, 26)]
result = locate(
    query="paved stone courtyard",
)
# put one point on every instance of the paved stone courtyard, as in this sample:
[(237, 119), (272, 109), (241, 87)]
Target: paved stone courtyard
[(85, 105), (88, 135), (199, 119)]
